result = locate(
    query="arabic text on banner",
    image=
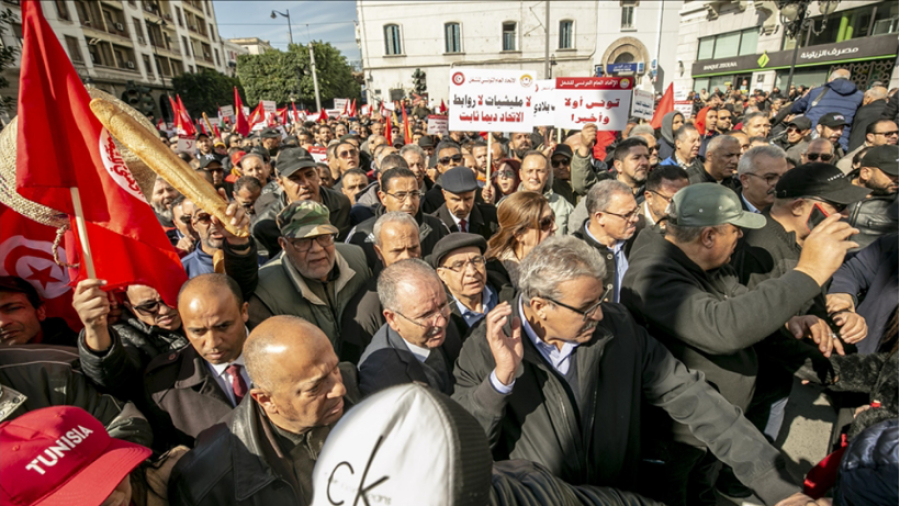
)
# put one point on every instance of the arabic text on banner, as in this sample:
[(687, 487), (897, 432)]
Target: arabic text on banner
[(269, 106), (341, 103), (642, 104), (493, 100), (319, 154), (603, 101), (438, 125), (227, 111), (544, 107), (685, 107)]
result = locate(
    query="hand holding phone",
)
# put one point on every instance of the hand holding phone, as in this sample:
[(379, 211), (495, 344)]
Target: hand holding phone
[(816, 216)]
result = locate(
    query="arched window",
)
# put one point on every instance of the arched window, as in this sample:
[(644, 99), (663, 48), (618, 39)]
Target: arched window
[(452, 39), (566, 34), (392, 44)]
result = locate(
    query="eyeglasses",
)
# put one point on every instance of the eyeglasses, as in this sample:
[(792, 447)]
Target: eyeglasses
[(586, 314), (506, 174), (887, 134), (305, 243), (825, 157), (149, 308), (627, 217), (445, 160), (459, 267), (667, 199), (185, 218), (202, 218), (404, 195), (770, 179), (443, 312), (348, 154)]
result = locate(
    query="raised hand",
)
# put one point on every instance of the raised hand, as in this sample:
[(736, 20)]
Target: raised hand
[(507, 350)]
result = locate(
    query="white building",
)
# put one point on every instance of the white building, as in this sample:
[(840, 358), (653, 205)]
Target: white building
[(398, 37), (147, 43), (253, 45), (724, 42)]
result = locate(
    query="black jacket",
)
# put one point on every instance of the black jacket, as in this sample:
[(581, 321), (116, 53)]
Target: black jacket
[(609, 281), (56, 332), (708, 319), (265, 229), (482, 220), (234, 461), (699, 175), (874, 217), (431, 230), (865, 116), (361, 320)]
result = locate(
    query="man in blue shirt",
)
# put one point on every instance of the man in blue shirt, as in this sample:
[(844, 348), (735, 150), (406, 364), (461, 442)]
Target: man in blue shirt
[(200, 261)]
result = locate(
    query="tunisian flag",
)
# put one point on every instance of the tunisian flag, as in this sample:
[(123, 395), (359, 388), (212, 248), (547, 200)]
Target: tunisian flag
[(61, 145), (258, 115), (240, 123), (184, 120), (665, 106)]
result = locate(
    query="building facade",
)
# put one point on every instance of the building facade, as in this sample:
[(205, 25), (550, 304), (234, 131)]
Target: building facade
[(252, 45), (743, 44), (123, 45), (585, 38)]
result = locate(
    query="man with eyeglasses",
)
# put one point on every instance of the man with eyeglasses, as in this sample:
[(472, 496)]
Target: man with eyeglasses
[(415, 343), (882, 132), (347, 157), (460, 212), (662, 184), (560, 378), (680, 287), (561, 163), (449, 155), (613, 223), (819, 150), (211, 234), (759, 170), (876, 215), (831, 127), (399, 192), (212, 165)]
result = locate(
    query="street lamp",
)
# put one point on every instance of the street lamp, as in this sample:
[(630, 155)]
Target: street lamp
[(794, 18), (286, 14)]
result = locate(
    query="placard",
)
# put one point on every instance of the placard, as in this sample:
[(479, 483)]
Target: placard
[(438, 125), (544, 106), (227, 111), (186, 143), (333, 113), (602, 101), (685, 107), (319, 154), (341, 104), (269, 106), (642, 104), (493, 100)]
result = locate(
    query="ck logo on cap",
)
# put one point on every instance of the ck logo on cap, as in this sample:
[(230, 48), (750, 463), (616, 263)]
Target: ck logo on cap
[(65, 443), (362, 491)]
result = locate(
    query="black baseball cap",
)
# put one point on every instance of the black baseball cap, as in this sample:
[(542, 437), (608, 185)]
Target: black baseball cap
[(459, 180), (801, 122), (269, 133), (452, 242), (833, 119), (821, 180), (884, 157), (207, 160), (426, 142), (562, 149), (293, 164), (201, 134)]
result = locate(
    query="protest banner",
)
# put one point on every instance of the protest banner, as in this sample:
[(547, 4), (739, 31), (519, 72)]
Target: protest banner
[(186, 143), (227, 111), (685, 107), (341, 104), (491, 100), (544, 107), (603, 101), (269, 106), (438, 125), (333, 113), (319, 154), (642, 104)]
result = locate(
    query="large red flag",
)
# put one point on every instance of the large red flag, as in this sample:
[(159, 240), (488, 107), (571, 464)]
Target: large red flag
[(186, 123), (258, 115), (443, 109), (323, 116), (127, 242), (665, 106), (353, 108), (295, 116), (240, 122)]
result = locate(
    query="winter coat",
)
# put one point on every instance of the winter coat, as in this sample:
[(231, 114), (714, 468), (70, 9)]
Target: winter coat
[(842, 96), (265, 229), (865, 116)]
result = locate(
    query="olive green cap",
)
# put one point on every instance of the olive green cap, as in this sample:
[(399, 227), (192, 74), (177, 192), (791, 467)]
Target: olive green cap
[(304, 218), (710, 205)]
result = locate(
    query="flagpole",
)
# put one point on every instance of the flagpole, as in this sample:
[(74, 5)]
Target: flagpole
[(487, 168), (88, 260)]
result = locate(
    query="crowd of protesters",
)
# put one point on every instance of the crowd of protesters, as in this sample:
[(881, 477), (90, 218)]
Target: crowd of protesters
[(588, 318)]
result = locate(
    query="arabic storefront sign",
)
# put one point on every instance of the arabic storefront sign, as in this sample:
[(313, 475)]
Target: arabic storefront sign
[(493, 100), (603, 101), (544, 107), (642, 104)]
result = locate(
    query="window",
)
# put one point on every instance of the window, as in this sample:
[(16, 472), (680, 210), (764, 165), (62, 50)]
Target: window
[(565, 34), (147, 66), (138, 29), (392, 40), (705, 51), (17, 32), (185, 47), (62, 10), (178, 16), (74, 50), (212, 32), (627, 15), (728, 45), (509, 36), (218, 62), (452, 43)]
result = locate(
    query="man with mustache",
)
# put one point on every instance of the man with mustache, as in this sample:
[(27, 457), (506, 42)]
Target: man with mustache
[(721, 162), (758, 171)]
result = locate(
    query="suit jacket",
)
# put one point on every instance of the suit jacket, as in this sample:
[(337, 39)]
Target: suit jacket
[(183, 397), (387, 362), (482, 220), (865, 116)]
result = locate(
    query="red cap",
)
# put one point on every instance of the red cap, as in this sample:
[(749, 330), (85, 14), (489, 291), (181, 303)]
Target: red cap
[(236, 157), (62, 455)]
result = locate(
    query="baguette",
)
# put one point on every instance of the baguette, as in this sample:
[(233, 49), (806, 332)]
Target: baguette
[(163, 161)]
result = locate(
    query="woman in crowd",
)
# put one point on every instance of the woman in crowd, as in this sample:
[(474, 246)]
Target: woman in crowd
[(504, 181), (525, 220)]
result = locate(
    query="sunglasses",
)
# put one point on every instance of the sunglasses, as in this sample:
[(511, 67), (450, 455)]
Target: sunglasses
[(347, 154), (202, 218), (825, 157), (559, 163), (445, 160), (546, 223)]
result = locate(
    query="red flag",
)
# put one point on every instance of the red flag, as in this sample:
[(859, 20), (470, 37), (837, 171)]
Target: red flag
[(216, 131), (346, 108), (127, 242), (443, 108), (240, 123), (323, 117), (282, 115), (186, 121), (700, 123), (665, 106), (382, 108), (353, 108), (407, 132), (388, 132), (26, 251), (296, 118), (257, 116), (202, 127), (174, 110)]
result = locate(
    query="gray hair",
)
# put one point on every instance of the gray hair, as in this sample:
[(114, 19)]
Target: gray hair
[(641, 130), (446, 145), (601, 194), (748, 163), (392, 217), (839, 74), (554, 261), (717, 143), (413, 148), (820, 140), (404, 271)]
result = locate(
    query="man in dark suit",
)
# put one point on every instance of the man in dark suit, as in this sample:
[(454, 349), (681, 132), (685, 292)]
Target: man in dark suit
[(415, 344), (460, 212), (191, 389)]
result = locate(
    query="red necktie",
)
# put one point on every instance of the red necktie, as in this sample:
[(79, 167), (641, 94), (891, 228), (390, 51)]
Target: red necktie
[(237, 383), (463, 226)]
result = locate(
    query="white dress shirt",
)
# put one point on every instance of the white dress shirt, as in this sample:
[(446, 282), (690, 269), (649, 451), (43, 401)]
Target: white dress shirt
[(226, 380)]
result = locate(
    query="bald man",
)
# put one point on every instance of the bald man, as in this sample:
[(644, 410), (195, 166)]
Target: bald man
[(194, 387), (265, 450)]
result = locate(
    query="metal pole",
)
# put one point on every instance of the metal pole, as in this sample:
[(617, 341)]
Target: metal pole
[(787, 87), (312, 65), (547, 39), (659, 26), (290, 31)]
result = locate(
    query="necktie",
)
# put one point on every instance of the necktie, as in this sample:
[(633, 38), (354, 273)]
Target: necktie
[(238, 386), (463, 226)]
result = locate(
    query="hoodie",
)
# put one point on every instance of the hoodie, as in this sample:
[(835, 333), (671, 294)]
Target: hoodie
[(667, 135), (842, 96)]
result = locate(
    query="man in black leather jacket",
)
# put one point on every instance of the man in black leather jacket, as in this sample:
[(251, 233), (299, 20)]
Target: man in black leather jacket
[(877, 215)]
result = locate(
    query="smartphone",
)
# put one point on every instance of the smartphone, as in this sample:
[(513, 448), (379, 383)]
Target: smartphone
[(816, 216)]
